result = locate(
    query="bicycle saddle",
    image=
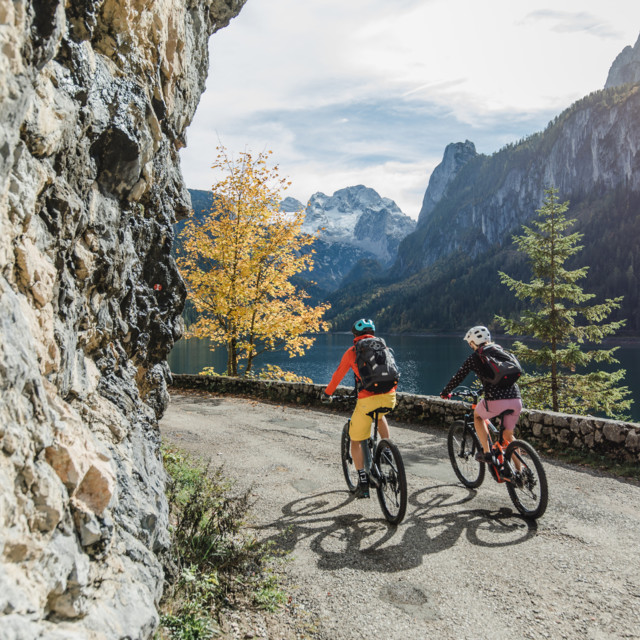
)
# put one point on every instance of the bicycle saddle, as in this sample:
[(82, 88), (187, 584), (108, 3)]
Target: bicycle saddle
[(381, 410)]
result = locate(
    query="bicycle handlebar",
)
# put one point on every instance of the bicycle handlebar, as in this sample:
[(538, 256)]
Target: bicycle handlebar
[(344, 398), (466, 393)]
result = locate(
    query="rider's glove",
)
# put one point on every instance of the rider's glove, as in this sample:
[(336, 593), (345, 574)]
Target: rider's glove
[(325, 398)]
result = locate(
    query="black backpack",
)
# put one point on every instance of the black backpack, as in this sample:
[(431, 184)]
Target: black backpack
[(501, 367), (376, 365)]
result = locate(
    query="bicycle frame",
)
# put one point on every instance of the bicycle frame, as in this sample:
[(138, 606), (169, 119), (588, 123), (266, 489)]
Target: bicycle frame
[(368, 445), (497, 443), (368, 448)]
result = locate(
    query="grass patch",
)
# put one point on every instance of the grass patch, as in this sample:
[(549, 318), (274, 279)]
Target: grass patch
[(214, 563), (590, 460)]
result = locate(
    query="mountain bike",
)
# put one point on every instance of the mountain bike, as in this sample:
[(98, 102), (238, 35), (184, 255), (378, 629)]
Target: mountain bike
[(516, 464), (383, 464)]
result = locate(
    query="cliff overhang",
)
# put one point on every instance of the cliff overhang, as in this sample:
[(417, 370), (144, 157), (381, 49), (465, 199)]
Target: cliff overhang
[(95, 98)]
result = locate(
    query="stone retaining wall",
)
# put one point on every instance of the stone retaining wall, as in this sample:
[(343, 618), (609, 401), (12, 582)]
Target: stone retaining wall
[(615, 439)]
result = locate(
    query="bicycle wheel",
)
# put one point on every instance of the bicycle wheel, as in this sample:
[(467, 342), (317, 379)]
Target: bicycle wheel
[(348, 468), (463, 444), (392, 489), (528, 491)]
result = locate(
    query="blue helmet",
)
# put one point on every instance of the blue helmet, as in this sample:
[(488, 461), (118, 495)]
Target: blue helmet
[(362, 326)]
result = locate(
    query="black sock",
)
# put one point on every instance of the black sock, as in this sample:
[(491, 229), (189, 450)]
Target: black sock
[(362, 474)]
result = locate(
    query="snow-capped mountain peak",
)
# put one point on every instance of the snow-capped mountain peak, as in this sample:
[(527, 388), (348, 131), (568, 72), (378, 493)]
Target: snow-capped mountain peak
[(360, 217)]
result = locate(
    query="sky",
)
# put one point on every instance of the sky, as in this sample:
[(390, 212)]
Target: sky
[(372, 91)]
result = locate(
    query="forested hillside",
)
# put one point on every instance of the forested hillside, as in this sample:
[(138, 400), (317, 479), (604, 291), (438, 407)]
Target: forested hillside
[(460, 290)]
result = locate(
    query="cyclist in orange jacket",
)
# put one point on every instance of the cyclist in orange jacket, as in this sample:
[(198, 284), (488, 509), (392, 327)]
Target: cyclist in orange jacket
[(360, 428)]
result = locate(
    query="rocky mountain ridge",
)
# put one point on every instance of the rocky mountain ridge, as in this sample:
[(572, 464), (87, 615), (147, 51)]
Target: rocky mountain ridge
[(626, 67), (456, 155), (94, 101), (475, 203), (590, 148), (352, 225), (360, 217)]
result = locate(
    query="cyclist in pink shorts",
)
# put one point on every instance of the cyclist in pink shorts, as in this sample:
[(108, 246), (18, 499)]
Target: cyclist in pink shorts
[(496, 399)]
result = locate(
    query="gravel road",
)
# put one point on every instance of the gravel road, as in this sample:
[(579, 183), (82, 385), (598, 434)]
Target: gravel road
[(462, 564)]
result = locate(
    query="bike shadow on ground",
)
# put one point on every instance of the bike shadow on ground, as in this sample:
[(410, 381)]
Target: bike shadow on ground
[(437, 518)]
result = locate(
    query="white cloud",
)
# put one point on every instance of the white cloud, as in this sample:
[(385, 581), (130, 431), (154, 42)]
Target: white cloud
[(408, 178), (567, 22), (370, 92)]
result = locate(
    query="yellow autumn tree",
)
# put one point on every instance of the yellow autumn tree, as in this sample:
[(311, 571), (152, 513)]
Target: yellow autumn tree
[(238, 262)]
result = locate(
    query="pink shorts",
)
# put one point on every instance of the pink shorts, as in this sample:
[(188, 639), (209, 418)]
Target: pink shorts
[(498, 406)]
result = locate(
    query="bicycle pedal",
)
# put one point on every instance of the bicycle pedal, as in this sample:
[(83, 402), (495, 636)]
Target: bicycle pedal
[(361, 492)]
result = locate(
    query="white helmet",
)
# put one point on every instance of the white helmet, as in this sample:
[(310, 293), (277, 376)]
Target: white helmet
[(479, 335)]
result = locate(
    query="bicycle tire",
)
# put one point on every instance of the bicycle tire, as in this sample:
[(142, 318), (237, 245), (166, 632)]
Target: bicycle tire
[(463, 444), (529, 490), (392, 489), (348, 468)]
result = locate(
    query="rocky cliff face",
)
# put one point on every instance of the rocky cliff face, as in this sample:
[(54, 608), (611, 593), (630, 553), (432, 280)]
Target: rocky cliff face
[(456, 155), (626, 67), (591, 149), (95, 97)]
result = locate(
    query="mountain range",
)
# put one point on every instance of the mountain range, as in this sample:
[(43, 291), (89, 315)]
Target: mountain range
[(446, 273), (441, 272), (357, 231)]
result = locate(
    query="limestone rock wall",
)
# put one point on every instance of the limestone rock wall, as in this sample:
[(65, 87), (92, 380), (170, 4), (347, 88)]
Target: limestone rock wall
[(95, 96), (456, 155), (474, 203), (626, 67)]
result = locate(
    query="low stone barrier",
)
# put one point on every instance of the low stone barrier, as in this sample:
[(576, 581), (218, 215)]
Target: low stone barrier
[(613, 438)]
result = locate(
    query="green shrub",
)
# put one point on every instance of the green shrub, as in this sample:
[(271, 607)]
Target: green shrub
[(213, 562)]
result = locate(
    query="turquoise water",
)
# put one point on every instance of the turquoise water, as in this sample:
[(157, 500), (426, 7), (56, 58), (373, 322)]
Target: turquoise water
[(426, 362)]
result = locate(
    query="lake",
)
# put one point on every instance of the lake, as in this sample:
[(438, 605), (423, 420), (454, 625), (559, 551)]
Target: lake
[(426, 362)]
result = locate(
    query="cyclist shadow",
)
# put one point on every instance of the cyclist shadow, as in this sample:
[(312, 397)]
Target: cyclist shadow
[(340, 537), (481, 527)]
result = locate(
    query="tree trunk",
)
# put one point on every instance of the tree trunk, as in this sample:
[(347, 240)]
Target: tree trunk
[(554, 378), (232, 358), (251, 342)]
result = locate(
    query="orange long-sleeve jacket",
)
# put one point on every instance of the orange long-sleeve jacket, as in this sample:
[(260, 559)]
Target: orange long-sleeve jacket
[(347, 362)]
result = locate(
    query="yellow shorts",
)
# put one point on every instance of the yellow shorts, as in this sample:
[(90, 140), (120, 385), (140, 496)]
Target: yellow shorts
[(360, 428)]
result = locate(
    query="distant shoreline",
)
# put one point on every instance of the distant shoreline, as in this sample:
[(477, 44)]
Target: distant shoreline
[(613, 340)]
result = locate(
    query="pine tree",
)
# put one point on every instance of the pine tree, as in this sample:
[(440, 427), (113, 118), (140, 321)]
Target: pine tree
[(238, 263), (557, 302)]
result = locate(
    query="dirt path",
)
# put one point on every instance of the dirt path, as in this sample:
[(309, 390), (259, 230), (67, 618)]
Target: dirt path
[(462, 565)]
